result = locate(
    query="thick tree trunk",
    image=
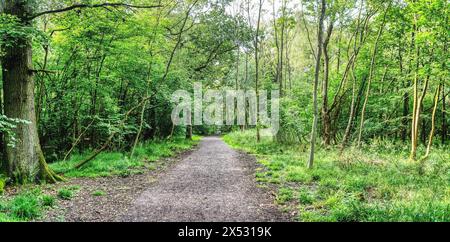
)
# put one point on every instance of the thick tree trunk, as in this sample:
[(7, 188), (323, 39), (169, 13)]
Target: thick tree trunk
[(25, 161), (189, 132)]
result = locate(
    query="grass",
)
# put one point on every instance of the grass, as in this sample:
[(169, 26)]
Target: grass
[(119, 164), (2, 184), (48, 201), (25, 206), (374, 183), (67, 193), (99, 193)]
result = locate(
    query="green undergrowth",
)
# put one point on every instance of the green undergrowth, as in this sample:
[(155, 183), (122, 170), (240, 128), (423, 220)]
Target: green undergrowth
[(31, 202), (374, 183), (25, 206), (67, 193), (117, 163)]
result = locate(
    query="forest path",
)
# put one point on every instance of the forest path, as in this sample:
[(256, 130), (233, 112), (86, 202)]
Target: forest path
[(213, 184)]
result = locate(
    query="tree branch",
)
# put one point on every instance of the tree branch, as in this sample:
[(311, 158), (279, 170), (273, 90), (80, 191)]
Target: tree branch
[(33, 71), (100, 5)]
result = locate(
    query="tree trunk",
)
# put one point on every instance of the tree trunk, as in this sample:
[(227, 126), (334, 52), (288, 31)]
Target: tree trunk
[(25, 162), (416, 114), (371, 74), (433, 120), (277, 45), (189, 132), (351, 116), (415, 91), (258, 135), (338, 62), (243, 127), (413, 125), (405, 99), (444, 122), (316, 84), (283, 28), (3, 167), (325, 110)]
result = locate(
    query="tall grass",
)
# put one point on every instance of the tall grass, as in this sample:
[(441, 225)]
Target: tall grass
[(375, 183)]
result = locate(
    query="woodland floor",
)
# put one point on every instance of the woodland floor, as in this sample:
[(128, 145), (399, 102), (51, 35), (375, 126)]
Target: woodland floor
[(211, 183)]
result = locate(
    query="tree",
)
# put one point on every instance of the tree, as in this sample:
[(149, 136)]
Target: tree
[(26, 162), (371, 74), (256, 45), (316, 84)]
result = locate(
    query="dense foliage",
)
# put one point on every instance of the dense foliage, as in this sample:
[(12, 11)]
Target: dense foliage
[(101, 76)]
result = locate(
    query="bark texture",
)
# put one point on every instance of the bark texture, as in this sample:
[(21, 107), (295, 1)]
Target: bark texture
[(25, 161)]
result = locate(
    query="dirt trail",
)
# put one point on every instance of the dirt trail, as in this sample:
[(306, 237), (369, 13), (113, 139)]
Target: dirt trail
[(213, 184)]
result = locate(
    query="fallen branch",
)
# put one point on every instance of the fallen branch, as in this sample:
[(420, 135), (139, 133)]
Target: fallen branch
[(113, 134), (78, 140), (106, 144)]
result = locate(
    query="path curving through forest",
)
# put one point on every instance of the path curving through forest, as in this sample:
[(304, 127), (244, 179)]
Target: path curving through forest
[(213, 184)]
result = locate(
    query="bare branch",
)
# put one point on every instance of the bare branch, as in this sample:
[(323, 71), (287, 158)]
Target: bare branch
[(33, 71)]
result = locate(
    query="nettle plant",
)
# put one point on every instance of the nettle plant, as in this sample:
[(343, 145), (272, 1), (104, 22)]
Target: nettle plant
[(7, 126)]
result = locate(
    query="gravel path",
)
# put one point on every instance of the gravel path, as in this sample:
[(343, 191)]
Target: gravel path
[(213, 184)]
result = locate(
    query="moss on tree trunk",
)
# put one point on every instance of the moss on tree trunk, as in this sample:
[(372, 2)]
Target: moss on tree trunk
[(25, 161)]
